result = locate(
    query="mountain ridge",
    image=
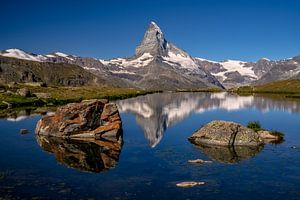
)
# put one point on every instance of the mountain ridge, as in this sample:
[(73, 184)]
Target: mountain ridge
[(63, 74), (159, 64)]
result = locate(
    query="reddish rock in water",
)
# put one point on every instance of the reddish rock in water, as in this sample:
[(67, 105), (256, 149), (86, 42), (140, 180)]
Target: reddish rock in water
[(97, 119)]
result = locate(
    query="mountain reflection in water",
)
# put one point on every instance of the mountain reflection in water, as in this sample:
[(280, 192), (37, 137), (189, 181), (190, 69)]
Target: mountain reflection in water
[(156, 112), (84, 155)]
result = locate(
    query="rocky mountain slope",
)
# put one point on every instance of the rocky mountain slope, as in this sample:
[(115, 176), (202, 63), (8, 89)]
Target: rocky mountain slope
[(233, 73), (159, 64), (22, 71)]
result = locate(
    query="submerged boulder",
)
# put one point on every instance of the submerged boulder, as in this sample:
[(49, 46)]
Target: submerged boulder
[(96, 119), (199, 161), (226, 133), (188, 184)]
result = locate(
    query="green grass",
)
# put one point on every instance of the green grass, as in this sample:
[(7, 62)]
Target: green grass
[(288, 88), (17, 101), (254, 125), (200, 90), (279, 134), (64, 95)]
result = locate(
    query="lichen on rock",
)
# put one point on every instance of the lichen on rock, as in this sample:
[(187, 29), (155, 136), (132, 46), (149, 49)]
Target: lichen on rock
[(96, 119), (226, 134)]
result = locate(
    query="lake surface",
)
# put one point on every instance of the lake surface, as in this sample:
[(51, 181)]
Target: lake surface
[(155, 153)]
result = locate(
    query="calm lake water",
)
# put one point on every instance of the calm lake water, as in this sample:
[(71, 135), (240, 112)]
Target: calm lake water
[(155, 153)]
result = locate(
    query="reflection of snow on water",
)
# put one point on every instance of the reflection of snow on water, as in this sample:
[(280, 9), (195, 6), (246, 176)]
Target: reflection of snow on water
[(20, 118), (156, 112)]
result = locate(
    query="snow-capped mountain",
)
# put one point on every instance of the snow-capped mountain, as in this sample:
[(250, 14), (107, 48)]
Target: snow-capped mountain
[(233, 73), (159, 64), (230, 73), (17, 53), (20, 54)]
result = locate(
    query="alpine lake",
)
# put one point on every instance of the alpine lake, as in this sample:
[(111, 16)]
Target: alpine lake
[(155, 153)]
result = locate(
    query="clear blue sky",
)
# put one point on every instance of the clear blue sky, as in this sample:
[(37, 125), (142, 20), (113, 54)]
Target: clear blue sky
[(213, 29)]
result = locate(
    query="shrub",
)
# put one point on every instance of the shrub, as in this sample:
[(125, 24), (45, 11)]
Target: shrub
[(254, 125), (277, 133)]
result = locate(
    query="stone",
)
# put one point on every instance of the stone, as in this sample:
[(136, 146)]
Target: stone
[(23, 131), (267, 136), (36, 84), (226, 133), (12, 84), (188, 184), (9, 105), (42, 95), (199, 161), (87, 119), (295, 147), (24, 92)]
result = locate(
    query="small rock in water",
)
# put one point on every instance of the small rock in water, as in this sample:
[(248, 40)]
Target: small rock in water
[(295, 147), (199, 161), (23, 131), (188, 184)]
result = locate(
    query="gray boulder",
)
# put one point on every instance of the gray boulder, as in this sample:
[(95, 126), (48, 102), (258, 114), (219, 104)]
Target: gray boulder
[(25, 92), (226, 133)]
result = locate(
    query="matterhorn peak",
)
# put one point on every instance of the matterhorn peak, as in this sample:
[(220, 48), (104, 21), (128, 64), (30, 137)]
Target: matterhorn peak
[(155, 26), (153, 42)]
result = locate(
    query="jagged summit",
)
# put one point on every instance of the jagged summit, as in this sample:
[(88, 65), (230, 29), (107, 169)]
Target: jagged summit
[(153, 42), (155, 26)]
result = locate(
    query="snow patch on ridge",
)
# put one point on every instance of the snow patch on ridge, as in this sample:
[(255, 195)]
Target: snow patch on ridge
[(17, 53), (50, 56), (141, 61), (266, 59), (185, 61), (156, 27), (61, 54), (235, 65), (122, 72), (203, 59)]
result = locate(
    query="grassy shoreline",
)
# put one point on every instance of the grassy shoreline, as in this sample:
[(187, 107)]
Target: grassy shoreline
[(281, 88), (56, 96)]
